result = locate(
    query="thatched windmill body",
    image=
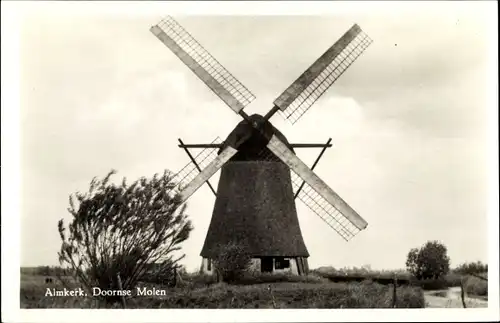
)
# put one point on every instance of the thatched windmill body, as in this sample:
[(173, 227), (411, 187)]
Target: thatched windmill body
[(260, 174)]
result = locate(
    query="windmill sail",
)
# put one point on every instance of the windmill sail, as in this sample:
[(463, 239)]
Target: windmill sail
[(325, 210), (207, 172), (318, 196), (204, 65), (189, 172), (308, 88), (189, 179)]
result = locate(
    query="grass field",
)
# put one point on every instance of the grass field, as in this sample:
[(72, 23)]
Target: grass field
[(200, 292), (473, 286), (360, 289)]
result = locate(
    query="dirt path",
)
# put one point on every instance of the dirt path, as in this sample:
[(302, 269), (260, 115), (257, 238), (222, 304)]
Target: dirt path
[(451, 299)]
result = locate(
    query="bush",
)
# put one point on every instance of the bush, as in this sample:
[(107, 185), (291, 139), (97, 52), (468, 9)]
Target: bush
[(123, 229), (430, 261), (476, 286), (453, 279), (232, 261), (161, 274), (431, 284), (472, 284)]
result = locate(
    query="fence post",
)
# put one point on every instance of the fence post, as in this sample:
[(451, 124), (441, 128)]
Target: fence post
[(462, 292), (179, 278), (120, 287), (272, 296), (394, 294)]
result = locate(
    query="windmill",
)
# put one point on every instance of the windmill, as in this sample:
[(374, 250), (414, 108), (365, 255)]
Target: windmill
[(260, 174)]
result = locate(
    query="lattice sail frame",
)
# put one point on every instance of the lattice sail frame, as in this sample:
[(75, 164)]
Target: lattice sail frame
[(203, 64), (190, 171), (327, 212), (313, 83), (316, 203)]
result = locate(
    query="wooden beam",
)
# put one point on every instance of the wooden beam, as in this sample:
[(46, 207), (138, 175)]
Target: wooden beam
[(271, 112), (197, 166), (314, 165), (220, 145), (200, 146), (327, 145)]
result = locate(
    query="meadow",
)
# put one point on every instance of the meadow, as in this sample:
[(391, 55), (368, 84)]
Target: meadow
[(317, 290), (262, 291)]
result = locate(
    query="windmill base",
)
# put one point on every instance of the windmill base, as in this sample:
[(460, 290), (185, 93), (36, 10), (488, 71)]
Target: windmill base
[(272, 265)]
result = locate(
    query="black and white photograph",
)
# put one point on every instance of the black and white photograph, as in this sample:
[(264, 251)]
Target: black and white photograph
[(264, 155)]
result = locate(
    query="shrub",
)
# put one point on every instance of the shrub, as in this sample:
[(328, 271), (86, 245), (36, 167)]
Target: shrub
[(430, 261), (431, 284), (122, 229), (162, 274), (231, 261), (476, 286), (453, 279)]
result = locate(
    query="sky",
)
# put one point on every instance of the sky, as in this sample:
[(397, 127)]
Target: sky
[(408, 121)]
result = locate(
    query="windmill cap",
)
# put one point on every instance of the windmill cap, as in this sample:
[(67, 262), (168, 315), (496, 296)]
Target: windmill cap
[(250, 142)]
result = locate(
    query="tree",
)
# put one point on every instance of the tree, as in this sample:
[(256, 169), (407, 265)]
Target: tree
[(123, 229), (472, 268), (232, 260), (430, 261)]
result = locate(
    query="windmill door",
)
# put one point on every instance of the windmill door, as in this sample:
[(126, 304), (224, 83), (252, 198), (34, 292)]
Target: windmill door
[(266, 264)]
